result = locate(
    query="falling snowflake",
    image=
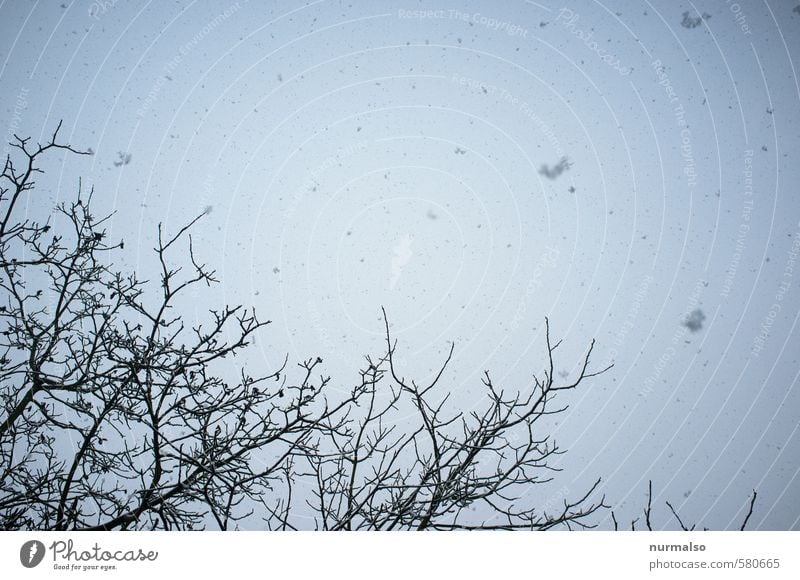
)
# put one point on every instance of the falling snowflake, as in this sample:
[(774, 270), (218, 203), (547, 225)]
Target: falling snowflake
[(556, 170), (689, 22), (694, 321), (123, 159)]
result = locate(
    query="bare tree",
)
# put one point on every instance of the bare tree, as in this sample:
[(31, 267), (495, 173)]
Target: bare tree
[(443, 469), (648, 510), (116, 414)]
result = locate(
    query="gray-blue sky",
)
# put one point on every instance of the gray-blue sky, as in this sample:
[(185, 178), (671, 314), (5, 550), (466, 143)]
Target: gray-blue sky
[(362, 154)]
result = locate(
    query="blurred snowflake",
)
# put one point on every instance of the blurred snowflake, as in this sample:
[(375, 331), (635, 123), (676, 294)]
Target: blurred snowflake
[(556, 170), (694, 321)]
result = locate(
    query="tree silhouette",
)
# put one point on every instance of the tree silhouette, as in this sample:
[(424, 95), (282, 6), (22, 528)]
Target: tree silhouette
[(648, 510), (443, 465), (117, 414)]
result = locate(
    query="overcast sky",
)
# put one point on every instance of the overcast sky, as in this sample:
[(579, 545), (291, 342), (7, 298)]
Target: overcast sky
[(628, 169)]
